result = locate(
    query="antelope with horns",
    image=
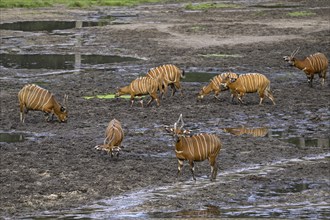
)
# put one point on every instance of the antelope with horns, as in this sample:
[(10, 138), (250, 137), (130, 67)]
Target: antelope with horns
[(215, 85), (193, 148), (33, 97), (140, 86), (114, 135), (167, 75), (313, 64), (249, 83)]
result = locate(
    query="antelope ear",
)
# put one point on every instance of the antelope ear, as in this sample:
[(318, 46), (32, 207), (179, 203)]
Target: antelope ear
[(168, 129), (62, 109)]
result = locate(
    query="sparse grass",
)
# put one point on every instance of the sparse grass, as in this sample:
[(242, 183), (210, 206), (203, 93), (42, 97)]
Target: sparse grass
[(301, 14), (206, 6), (220, 55), (107, 96), (70, 3)]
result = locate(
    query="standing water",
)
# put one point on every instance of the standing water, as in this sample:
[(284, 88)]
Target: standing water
[(141, 204)]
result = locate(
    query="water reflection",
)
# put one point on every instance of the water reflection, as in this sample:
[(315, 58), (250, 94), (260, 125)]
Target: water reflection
[(57, 61), (255, 132), (11, 137), (146, 202), (198, 77), (285, 135), (50, 26)]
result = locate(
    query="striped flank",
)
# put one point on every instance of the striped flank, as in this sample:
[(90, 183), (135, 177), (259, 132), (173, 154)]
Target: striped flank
[(249, 83), (140, 86), (215, 85), (167, 75), (199, 147), (33, 97), (313, 64), (143, 86), (114, 134)]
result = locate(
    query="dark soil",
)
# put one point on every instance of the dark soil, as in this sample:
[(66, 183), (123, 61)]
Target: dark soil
[(59, 168)]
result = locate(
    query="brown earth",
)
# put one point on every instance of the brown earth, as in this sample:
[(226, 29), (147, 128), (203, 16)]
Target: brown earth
[(60, 169)]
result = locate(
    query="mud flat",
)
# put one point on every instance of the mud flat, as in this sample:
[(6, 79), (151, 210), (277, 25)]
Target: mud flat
[(53, 170)]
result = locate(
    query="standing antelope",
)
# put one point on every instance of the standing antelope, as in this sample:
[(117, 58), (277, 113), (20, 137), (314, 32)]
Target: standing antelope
[(33, 97), (114, 135), (167, 75), (249, 83), (193, 148), (140, 86), (215, 85), (313, 64)]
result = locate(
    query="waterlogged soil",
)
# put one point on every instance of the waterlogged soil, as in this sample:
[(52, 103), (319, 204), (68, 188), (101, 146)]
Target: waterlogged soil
[(59, 169)]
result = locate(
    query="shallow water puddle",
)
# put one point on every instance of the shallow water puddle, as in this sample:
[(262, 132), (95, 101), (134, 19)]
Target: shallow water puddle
[(137, 204), (198, 77), (17, 136), (50, 26), (285, 135), (58, 61), (11, 137)]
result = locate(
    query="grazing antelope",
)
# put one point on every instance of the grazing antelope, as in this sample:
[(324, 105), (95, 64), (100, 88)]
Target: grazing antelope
[(193, 148), (313, 64), (167, 75), (215, 85), (249, 83), (114, 135), (140, 86), (33, 97), (255, 132)]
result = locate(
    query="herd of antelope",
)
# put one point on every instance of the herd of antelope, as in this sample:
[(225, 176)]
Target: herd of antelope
[(193, 148)]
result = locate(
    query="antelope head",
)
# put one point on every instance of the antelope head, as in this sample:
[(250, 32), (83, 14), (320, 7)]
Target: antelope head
[(228, 80), (291, 59), (175, 131), (201, 93), (63, 115)]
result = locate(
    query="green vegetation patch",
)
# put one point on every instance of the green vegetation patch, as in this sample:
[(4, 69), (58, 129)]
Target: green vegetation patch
[(106, 96), (206, 6), (301, 13), (220, 55), (70, 3)]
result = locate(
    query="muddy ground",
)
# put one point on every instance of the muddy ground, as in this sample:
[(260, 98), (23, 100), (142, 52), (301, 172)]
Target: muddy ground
[(58, 168)]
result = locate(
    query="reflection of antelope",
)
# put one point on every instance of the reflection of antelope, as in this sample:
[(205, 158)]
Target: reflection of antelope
[(114, 135), (313, 64), (255, 132), (215, 85), (193, 148), (33, 97), (167, 75), (249, 83), (138, 87)]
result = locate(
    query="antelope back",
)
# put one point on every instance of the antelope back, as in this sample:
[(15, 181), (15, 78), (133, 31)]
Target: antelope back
[(252, 82), (170, 73), (35, 97), (114, 133), (318, 62), (198, 147), (144, 85), (220, 79)]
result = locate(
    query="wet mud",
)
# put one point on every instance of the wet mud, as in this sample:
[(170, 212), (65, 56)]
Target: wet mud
[(277, 167)]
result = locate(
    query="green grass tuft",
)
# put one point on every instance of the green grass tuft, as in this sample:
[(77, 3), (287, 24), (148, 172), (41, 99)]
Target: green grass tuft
[(301, 14)]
